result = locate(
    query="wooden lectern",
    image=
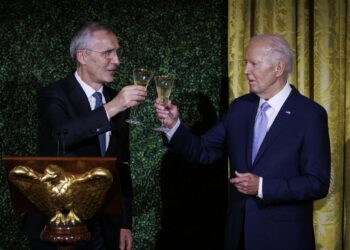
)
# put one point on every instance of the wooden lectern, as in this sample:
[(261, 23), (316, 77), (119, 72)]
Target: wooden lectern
[(112, 203)]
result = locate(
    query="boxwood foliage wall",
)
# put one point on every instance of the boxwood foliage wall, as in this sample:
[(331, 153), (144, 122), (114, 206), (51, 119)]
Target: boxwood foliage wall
[(175, 201)]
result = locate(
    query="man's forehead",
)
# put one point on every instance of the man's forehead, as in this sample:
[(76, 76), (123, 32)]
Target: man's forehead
[(258, 48), (104, 38), (102, 34)]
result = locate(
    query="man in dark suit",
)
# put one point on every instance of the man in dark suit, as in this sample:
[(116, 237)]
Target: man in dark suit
[(81, 116), (279, 152)]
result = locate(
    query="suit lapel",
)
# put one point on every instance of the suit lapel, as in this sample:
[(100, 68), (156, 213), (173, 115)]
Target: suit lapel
[(253, 111), (285, 114), (106, 94), (78, 97)]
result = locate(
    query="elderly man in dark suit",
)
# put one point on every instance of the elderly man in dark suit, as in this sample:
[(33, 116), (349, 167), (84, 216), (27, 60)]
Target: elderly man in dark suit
[(87, 118), (279, 152)]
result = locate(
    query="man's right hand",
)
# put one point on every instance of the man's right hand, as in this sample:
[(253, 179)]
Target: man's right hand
[(128, 96), (167, 113)]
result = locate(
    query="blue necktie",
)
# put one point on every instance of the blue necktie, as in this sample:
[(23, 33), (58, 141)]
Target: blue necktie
[(101, 137), (260, 128)]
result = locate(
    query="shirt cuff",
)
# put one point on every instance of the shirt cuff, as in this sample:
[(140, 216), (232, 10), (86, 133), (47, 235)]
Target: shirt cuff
[(260, 192), (169, 134)]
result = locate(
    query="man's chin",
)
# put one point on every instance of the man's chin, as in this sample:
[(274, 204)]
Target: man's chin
[(254, 91), (251, 89), (109, 79)]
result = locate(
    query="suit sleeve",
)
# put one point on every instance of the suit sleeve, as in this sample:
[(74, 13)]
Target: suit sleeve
[(314, 166), (204, 149), (63, 121)]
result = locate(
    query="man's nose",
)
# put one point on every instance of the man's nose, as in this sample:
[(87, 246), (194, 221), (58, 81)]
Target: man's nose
[(115, 59), (247, 69)]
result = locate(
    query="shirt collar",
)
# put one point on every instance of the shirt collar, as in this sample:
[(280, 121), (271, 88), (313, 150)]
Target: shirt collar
[(277, 100), (87, 89)]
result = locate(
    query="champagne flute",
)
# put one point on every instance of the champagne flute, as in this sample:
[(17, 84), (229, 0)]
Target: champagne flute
[(142, 76), (164, 85)]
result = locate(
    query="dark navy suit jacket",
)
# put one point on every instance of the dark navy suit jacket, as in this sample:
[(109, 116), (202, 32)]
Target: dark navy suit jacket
[(294, 161), (65, 116)]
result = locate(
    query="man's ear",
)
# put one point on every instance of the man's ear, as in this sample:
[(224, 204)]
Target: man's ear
[(81, 56), (280, 68)]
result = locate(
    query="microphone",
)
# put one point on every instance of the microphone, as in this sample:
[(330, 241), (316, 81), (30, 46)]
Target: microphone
[(61, 133), (63, 137), (58, 134)]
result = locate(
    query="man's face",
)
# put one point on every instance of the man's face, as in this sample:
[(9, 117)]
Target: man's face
[(101, 59), (260, 71)]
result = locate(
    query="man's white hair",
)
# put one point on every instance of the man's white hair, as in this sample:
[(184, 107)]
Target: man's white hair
[(279, 49)]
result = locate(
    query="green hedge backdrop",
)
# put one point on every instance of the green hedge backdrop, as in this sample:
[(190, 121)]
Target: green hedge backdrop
[(177, 205)]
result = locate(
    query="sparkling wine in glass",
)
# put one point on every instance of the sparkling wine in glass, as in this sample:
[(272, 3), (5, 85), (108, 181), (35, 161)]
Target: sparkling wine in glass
[(142, 76), (164, 85)]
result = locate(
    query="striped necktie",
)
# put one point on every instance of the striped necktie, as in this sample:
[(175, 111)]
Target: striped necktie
[(260, 128)]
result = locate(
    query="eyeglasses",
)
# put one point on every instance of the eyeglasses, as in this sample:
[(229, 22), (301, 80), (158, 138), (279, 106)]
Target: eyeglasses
[(107, 54)]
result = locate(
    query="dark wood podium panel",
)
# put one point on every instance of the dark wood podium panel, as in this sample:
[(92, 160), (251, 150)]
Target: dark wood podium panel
[(75, 165)]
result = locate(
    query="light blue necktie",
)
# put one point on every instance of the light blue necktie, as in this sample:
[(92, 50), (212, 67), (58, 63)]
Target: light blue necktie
[(101, 137), (260, 128)]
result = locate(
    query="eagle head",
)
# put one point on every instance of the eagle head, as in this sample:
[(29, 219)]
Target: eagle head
[(52, 174)]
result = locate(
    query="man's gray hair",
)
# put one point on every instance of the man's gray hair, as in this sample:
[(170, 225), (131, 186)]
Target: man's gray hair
[(279, 49), (82, 38)]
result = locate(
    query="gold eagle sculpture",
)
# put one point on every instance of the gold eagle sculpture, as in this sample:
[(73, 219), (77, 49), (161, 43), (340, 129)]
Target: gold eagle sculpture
[(64, 197)]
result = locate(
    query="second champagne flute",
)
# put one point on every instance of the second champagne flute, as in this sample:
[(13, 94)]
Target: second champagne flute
[(164, 85), (142, 76)]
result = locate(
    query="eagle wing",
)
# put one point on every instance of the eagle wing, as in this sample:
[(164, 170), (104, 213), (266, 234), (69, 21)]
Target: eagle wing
[(28, 182), (89, 190)]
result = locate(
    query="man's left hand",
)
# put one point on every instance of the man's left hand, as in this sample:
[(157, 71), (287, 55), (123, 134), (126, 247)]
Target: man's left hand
[(246, 183)]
